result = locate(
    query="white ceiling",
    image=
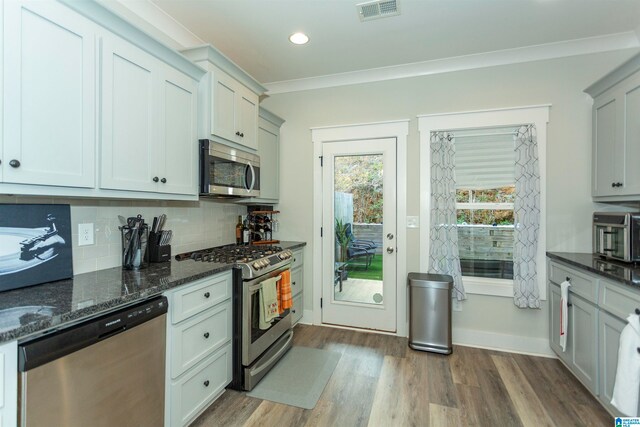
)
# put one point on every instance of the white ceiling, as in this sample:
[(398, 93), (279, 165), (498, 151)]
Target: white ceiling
[(254, 33)]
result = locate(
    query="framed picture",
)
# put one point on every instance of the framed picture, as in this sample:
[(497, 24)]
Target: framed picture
[(35, 244)]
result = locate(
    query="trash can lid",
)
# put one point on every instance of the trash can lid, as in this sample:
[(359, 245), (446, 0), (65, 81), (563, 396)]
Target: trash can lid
[(428, 280)]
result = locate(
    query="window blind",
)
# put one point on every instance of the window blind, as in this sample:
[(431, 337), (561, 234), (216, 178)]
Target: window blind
[(484, 161)]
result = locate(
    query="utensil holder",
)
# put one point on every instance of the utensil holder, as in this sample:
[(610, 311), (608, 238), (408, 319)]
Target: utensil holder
[(158, 252), (134, 246)]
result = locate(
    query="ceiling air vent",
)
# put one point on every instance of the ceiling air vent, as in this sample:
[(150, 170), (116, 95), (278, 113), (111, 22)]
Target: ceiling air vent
[(377, 9)]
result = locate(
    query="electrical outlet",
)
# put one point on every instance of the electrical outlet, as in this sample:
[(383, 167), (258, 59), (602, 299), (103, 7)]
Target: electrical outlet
[(457, 305), (85, 234)]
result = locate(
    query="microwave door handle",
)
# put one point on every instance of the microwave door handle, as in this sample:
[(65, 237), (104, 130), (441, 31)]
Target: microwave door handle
[(253, 176), (601, 239)]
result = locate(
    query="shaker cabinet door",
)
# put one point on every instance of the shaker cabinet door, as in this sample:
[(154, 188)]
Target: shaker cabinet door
[(179, 158), (248, 119), (223, 102), (583, 333), (129, 99), (49, 95), (605, 174), (609, 330)]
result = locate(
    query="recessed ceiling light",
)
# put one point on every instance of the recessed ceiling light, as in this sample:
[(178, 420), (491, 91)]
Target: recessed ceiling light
[(298, 38)]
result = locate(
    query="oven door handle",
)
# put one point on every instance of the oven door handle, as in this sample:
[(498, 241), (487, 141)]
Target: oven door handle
[(257, 286), (273, 358)]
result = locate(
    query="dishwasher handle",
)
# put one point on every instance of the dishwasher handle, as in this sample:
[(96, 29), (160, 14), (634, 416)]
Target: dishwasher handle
[(58, 344)]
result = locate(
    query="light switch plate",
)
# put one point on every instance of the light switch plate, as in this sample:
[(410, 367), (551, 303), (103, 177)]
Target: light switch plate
[(85, 234), (412, 222)]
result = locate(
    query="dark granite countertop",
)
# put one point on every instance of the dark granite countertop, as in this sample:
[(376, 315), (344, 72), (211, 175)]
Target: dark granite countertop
[(57, 304), (628, 274)]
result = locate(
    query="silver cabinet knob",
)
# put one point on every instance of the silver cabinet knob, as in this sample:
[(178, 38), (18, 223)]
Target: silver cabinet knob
[(390, 250)]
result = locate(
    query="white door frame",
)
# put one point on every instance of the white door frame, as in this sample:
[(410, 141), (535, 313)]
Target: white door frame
[(399, 130)]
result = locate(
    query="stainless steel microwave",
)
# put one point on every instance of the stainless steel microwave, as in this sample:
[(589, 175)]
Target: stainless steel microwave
[(227, 172), (616, 235)]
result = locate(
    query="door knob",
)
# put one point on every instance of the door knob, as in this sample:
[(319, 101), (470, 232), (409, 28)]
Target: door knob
[(389, 236), (390, 250)]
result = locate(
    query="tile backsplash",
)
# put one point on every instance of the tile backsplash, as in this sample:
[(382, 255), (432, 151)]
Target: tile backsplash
[(195, 225)]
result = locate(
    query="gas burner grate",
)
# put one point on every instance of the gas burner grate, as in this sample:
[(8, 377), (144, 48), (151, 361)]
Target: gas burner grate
[(230, 254)]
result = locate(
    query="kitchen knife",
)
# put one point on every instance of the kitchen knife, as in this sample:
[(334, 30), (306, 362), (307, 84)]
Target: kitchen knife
[(155, 224)]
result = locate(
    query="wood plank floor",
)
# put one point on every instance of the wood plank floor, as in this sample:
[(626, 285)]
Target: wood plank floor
[(380, 381)]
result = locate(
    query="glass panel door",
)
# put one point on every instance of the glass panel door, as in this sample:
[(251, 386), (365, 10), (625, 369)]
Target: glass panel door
[(359, 211)]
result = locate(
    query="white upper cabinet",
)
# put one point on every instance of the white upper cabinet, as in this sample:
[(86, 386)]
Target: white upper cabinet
[(269, 153), (94, 107), (228, 100), (179, 157), (616, 134), (149, 123), (130, 98), (234, 115), (49, 95)]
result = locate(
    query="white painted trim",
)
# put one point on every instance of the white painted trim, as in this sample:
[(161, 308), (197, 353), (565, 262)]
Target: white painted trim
[(485, 286), (398, 129), (502, 342), (618, 41), (154, 21), (539, 116), (307, 317)]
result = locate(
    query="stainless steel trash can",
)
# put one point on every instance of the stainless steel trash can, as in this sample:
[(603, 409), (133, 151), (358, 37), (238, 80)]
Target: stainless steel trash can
[(430, 312)]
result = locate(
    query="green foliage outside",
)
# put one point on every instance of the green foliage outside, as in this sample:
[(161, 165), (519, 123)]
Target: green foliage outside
[(361, 176), (374, 272), (486, 216)]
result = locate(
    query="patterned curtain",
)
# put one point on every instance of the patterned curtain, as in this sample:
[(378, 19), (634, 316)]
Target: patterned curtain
[(443, 235), (527, 219)]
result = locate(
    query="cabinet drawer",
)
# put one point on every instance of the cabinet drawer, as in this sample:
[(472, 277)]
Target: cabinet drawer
[(199, 296), (297, 309), (297, 259), (203, 384), (194, 339), (582, 284), (618, 300), (296, 281)]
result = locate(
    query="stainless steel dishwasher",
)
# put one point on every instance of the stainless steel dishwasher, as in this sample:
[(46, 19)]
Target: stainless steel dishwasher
[(107, 371)]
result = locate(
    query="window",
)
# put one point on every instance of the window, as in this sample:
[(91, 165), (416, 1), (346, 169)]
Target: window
[(485, 192), (478, 194)]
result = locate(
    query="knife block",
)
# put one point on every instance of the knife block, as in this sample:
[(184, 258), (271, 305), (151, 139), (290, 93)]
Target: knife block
[(156, 251)]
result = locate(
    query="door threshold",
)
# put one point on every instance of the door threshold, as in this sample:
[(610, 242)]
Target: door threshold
[(356, 329)]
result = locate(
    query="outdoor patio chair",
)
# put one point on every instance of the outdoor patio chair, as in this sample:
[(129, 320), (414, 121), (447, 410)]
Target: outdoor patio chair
[(360, 255), (362, 243)]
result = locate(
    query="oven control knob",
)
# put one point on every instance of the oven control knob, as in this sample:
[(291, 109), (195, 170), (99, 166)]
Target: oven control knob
[(263, 263), (256, 265)]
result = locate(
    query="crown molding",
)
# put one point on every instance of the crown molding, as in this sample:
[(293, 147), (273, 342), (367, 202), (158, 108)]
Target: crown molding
[(610, 42), (155, 21)]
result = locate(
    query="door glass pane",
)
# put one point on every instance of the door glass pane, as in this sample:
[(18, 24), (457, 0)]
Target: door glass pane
[(358, 202), (226, 173)]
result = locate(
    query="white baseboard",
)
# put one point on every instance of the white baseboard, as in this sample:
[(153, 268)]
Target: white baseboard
[(503, 342), (307, 317)]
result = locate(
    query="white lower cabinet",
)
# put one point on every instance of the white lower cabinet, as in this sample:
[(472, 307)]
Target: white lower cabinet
[(595, 325), (198, 347), (8, 384), (297, 274), (193, 392), (609, 329)]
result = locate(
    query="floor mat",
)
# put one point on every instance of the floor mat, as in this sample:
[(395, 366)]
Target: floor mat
[(299, 377)]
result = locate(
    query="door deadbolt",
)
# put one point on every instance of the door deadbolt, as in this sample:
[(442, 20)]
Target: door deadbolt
[(390, 236)]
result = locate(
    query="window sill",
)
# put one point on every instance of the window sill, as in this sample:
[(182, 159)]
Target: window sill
[(488, 286)]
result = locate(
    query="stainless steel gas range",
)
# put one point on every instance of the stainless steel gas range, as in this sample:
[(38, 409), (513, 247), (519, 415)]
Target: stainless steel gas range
[(255, 350)]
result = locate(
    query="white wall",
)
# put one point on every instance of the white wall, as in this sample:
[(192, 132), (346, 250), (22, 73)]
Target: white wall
[(558, 82), (195, 225)]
